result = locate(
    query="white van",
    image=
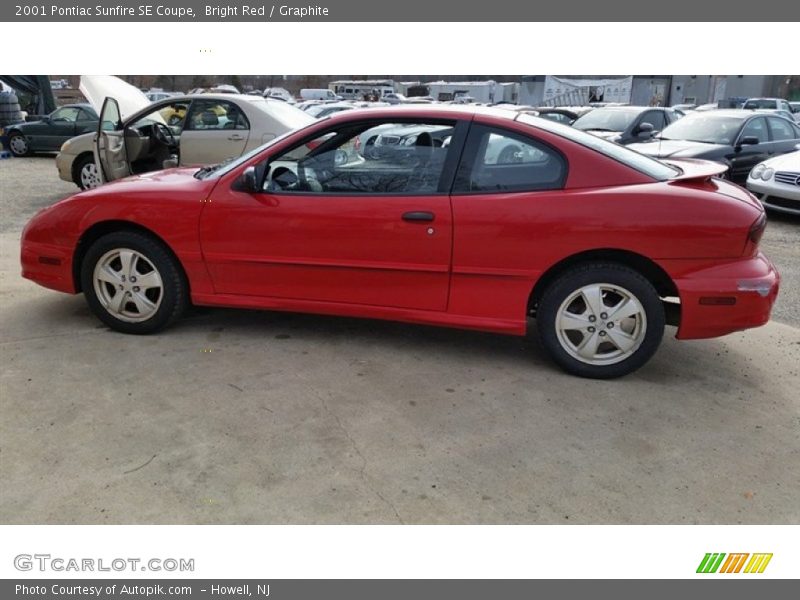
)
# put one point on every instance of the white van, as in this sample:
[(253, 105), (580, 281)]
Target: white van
[(319, 94)]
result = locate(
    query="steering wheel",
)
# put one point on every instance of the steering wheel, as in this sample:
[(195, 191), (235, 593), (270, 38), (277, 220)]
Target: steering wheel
[(164, 134)]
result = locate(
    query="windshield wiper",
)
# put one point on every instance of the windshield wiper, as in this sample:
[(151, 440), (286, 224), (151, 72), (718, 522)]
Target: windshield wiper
[(203, 171), (207, 170)]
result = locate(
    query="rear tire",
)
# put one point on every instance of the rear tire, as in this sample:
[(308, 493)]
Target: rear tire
[(133, 283), (600, 320)]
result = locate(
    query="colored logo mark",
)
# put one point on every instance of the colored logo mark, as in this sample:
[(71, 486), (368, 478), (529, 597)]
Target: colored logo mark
[(719, 562)]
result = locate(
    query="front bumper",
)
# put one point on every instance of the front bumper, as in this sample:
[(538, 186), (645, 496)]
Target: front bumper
[(48, 265), (64, 165), (725, 298), (780, 197)]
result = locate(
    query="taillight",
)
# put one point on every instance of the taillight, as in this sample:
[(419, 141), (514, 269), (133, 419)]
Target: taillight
[(757, 229)]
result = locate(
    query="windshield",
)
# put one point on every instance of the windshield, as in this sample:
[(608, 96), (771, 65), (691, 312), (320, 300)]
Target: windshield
[(644, 164), (704, 128), (762, 103), (607, 119), (223, 168)]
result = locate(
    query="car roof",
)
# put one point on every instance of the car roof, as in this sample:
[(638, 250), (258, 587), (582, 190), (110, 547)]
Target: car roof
[(737, 113), (424, 111)]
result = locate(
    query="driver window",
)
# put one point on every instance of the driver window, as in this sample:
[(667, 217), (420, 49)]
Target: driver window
[(756, 128), (390, 158), (172, 115), (68, 114)]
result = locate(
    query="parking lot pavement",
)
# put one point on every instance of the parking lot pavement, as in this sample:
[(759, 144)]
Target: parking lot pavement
[(263, 417)]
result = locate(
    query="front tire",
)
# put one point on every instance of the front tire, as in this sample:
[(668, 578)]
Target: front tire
[(85, 173), (18, 145), (133, 283), (600, 320)]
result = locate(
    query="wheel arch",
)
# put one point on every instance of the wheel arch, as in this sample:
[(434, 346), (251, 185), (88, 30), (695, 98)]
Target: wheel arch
[(654, 273), (101, 228)]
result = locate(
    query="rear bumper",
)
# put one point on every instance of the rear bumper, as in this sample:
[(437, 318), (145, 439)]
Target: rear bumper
[(48, 265), (731, 297)]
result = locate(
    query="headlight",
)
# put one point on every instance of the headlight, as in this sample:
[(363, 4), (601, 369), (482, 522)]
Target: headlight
[(767, 174), (65, 146), (756, 172)]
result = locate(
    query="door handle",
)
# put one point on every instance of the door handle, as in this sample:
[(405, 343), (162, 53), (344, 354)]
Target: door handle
[(236, 138), (419, 215)]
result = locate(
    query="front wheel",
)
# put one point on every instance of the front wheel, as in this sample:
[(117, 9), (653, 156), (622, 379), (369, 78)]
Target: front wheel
[(85, 173), (133, 283), (601, 320), (18, 145)]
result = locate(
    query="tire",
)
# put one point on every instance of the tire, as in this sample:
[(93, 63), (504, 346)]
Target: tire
[(84, 172), (18, 145), (152, 301), (576, 323)]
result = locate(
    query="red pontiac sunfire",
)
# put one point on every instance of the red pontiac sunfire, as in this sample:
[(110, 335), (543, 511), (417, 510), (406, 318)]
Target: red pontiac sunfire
[(465, 217)]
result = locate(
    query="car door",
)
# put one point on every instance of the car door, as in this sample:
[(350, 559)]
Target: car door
[(214, 131), (59, 127), (87, 121), (746, 156), (331, 225), (784, 135), (109, 145)]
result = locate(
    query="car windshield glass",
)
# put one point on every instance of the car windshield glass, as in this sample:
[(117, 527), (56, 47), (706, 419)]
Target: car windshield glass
[(607, 119), (644, 164), (753, 104), (223, 168), (707, 129)]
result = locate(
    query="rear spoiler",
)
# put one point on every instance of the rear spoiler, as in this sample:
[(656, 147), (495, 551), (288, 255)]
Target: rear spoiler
[(695, 170)]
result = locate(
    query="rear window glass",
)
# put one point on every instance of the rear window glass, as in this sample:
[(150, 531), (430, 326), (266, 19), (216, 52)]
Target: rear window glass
[(644, 164)]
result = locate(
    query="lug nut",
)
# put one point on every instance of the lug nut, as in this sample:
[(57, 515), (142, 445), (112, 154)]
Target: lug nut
[(136, 288), (133, 279), (602, 334), (592, 318), (591, 329), (602, 315), (610, 325)]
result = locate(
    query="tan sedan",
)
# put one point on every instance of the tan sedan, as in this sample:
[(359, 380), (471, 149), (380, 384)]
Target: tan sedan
[(197, 129)]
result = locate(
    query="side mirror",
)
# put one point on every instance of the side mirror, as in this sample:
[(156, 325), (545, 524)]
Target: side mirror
[(644, 130), (749, 140), (248, 181)]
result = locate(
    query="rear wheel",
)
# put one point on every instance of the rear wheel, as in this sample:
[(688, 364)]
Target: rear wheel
[(601, 320), (133, 283)]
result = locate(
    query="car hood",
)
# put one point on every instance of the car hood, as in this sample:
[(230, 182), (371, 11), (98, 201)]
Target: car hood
[(785, 162), (96, 88), (163, 184), (677, 148), (602, 133)]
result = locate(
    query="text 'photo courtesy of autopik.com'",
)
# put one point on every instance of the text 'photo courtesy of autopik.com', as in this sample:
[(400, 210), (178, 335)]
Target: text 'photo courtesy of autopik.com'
[(284, 314)]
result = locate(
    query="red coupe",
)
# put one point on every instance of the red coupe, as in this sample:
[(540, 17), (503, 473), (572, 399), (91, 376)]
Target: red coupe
[(465, 217)]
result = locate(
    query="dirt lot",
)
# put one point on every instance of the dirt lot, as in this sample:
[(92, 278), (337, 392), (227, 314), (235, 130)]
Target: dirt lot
[(257, 417)]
